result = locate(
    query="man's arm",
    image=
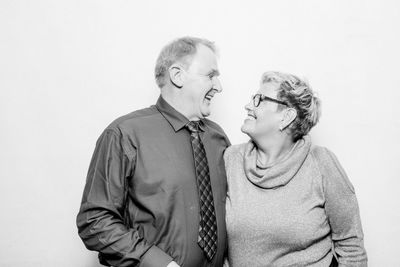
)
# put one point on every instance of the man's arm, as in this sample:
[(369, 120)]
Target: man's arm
[(100, 220)]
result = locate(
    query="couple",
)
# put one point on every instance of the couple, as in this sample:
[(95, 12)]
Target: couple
[(165, 188)]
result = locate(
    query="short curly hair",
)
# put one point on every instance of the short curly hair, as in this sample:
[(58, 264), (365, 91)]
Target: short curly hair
[(297, 94), (182, 50)]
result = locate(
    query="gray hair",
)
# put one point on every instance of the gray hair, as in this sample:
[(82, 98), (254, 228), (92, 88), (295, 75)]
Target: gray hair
[(298, 95), (182, 50)]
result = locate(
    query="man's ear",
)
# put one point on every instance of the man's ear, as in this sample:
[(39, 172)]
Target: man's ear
[(176, 75), (289, 116)]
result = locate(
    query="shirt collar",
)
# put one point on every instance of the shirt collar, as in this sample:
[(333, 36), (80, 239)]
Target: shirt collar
[(175, 118)]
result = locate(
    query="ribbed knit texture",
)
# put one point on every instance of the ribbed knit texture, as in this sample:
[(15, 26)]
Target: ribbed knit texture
[(291, 213)]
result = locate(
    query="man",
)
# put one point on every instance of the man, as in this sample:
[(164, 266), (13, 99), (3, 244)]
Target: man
[(156, 185)]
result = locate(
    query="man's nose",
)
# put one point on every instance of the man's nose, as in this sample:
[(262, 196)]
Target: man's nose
[(217, 85)]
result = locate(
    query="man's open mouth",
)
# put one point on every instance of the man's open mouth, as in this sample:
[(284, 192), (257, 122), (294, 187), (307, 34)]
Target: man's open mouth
[(209, 95)]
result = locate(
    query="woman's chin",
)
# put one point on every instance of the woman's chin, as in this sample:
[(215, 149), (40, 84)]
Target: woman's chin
[(245, 129)]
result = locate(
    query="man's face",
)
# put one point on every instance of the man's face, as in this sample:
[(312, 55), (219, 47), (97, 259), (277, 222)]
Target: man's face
[(201, 83)]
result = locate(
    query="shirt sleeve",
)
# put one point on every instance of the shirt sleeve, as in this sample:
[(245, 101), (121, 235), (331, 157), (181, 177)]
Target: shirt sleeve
[(100, 221), (342, 211)]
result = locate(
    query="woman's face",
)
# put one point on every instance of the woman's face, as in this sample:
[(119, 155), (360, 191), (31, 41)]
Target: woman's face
[(265, 119)]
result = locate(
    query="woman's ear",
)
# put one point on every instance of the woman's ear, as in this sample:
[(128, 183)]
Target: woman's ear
[(175, 72), (289, 116)]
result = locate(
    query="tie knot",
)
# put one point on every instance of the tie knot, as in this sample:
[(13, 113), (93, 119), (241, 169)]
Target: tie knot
[(193, 126)]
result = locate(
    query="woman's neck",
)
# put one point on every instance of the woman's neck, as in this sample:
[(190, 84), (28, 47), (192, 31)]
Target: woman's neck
[(273, 150)]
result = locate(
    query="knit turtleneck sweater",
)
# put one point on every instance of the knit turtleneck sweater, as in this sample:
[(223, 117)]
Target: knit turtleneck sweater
[(293, 212), (281, 172)]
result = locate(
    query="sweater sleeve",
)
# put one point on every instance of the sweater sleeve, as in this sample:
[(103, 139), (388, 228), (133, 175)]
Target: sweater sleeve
[(342, 211)]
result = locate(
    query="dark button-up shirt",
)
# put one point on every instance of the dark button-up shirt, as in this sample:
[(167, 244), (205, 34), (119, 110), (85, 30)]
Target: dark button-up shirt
[(140, 204)]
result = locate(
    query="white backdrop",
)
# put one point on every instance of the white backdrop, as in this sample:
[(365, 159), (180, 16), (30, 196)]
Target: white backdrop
[(68, 68)]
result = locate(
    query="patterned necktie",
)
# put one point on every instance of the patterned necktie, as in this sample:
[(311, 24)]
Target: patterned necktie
[(207, 239)]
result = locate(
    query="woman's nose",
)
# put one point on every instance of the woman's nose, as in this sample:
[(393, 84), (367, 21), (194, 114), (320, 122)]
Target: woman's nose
[(248, 106)]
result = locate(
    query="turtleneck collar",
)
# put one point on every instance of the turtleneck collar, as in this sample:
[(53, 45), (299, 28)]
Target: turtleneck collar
[(281, 172)]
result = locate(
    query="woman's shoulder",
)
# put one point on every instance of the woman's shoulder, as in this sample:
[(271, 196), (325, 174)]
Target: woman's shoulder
[(323, 157), (235, 149), (330, 168), (318, 149), (322, 153)]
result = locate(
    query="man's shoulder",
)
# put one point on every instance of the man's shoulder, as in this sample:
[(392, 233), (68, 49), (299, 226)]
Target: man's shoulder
[(134, 118), (214, 126), (216, 129)]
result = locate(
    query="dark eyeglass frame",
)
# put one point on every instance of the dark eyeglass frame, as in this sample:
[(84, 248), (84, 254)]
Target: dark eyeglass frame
[(258, 98)]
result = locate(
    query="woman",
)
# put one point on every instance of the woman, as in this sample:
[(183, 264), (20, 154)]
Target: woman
[(289, 203)]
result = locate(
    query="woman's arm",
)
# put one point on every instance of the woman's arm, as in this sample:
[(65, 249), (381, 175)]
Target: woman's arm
[(342, 210)]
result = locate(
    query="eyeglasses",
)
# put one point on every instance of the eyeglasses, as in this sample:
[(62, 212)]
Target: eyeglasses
[(258, 98)]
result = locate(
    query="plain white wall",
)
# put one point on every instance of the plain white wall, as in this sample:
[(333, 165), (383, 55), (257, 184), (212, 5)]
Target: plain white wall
[(68, 68)]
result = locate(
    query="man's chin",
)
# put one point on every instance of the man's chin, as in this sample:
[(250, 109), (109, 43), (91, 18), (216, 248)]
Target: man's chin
[(206, 112)]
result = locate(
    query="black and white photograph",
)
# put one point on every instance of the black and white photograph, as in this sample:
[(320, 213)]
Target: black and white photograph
[(199, 133)]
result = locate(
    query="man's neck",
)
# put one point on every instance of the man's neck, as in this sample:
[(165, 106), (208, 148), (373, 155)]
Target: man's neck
[(175, 101)]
